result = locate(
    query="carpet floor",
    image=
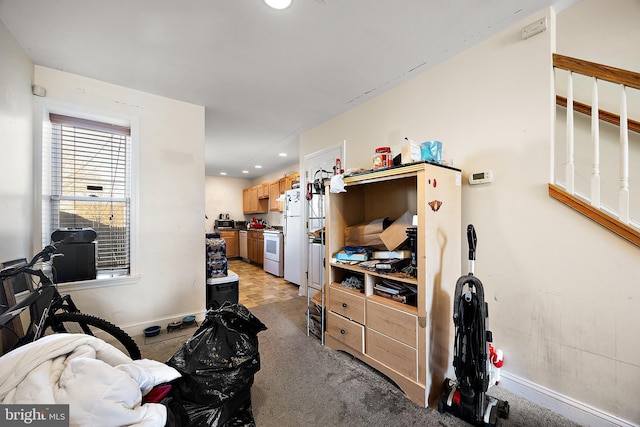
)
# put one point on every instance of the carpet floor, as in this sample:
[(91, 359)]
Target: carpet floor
[(302, 383)]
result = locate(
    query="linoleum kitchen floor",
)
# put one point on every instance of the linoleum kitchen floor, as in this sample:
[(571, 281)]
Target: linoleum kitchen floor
[(255, 288)]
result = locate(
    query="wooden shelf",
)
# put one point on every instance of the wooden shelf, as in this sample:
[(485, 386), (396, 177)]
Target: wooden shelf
[(398, 276), (392, 337)]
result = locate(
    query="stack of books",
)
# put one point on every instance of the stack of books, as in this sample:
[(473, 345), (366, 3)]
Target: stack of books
[(401, 292), (353, 253)]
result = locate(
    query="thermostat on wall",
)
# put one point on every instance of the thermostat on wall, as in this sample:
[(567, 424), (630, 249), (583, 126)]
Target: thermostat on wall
[(481, 177)]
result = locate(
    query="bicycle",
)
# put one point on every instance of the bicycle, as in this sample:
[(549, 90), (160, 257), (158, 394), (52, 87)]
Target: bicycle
[(49, 311)]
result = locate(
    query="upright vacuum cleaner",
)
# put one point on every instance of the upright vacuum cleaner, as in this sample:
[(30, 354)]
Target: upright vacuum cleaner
[(466, 397)]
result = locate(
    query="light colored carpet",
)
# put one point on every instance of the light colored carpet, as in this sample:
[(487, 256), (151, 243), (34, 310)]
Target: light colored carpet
[(302, 383)]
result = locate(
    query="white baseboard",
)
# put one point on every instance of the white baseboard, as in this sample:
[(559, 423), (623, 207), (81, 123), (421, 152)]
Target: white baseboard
[(138, 328), (567, 407)]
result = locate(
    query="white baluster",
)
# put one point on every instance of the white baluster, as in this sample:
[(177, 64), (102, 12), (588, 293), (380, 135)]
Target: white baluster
[(552, 133), (595, 137), (569, 167), (623, 200)]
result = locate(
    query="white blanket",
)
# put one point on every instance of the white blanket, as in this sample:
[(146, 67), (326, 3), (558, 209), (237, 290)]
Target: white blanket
[(101, 385)]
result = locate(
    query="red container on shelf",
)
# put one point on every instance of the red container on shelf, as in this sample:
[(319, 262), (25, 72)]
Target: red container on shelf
[(383, 158)]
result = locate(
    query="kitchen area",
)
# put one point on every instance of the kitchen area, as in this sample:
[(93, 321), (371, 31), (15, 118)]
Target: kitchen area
[(261, 223)]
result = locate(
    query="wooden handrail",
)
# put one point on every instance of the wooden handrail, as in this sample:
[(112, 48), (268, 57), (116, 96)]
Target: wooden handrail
[(596, 215), (599, 71), (603, 115), (617, 224)]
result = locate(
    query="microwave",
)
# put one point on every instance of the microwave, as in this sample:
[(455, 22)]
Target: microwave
[(225, 223)]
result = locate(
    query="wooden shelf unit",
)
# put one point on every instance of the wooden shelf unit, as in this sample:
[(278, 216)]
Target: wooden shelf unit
[(411, 345)]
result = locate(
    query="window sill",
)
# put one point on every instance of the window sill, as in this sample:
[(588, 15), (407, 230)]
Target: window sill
[(100, 282)]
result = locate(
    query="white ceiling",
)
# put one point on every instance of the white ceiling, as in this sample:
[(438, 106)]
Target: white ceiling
[(264, 76)]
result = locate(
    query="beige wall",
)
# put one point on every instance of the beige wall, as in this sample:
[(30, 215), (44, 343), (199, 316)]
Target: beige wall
[(16, 182), (171, 187), (562, 290), (168, 153), (224, 195)]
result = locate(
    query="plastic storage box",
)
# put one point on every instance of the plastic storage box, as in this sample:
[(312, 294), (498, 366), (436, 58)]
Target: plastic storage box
[(221, 289)]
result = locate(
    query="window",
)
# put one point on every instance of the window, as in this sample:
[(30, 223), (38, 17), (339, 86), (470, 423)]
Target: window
[(90, 186)]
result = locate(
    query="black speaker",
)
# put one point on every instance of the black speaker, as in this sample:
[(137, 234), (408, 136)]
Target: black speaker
[(74, 235), (78, 262)]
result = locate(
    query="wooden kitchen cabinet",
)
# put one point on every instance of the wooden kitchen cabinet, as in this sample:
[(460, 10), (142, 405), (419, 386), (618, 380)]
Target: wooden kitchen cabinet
[(290, 179), (263, 191), (246, 204), (252, 241), (262, 198), (255, 246), (232, 239), (398, 339), (282, 183), (251, 203), (274, 193)]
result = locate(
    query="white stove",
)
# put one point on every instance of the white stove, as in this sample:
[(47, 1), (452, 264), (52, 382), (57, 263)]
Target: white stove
[(273, 252)]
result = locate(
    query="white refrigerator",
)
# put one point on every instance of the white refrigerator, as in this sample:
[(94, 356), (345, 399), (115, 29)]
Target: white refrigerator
[(293, 236)]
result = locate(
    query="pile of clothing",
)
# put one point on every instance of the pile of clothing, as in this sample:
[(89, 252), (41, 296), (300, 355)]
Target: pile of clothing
[(101, 385)]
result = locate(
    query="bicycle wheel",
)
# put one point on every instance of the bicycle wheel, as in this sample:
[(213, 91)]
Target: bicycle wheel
[(86, 324)]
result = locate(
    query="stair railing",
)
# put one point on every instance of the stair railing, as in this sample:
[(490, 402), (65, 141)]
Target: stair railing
[(617, 219)]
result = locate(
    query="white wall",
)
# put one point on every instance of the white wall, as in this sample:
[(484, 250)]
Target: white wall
[(170, 239), (562, 290), (16, 182), (281, 173), (224, 195)]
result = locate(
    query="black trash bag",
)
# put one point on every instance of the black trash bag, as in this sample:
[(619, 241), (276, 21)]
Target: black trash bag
[(242, 417), (221, 357), (234, 412), (176, 414)]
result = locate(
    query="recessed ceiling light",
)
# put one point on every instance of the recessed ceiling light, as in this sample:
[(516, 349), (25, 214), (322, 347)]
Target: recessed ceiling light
[(282, 154), (245, 171), (223, 173), (258, 167), (278, 4)]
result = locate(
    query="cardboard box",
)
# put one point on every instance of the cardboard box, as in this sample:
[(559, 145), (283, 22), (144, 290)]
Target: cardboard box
[(410, 153), (396, 234), (366, 234)]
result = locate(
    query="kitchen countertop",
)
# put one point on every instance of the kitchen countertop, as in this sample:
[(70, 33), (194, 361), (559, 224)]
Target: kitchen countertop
[(219, 230), (275, 228)]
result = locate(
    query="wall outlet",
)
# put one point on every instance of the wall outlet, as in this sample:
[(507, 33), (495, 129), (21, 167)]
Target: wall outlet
[(534, 28)]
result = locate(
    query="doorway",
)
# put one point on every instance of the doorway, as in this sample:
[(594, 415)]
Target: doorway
[(317, 167)]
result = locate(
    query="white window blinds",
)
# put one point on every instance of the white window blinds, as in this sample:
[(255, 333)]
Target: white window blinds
[(91, 184)]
